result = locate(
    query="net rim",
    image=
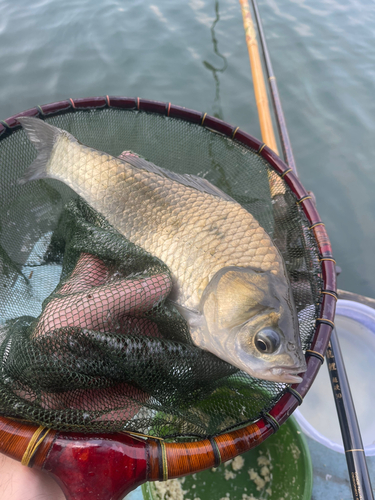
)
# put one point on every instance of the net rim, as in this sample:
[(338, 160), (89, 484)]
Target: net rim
[(253, 434)]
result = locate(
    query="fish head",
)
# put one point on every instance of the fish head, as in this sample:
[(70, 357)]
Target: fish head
[(251, 322)]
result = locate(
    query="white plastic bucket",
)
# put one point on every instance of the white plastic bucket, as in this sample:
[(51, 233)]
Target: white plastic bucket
[(355, 325)]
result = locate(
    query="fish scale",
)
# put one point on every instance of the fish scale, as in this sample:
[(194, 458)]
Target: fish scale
[(194, 233), (229, 280)]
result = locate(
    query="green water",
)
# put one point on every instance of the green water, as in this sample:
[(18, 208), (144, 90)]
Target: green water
[(193, 53)]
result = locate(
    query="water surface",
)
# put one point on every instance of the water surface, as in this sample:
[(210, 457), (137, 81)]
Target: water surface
[(193, 54)]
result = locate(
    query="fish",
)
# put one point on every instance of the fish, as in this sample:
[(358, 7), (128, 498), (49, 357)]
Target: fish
[(229, 278)]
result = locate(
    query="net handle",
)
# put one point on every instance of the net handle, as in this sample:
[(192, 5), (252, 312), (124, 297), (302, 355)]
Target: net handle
[(71, 457), (178, 459)]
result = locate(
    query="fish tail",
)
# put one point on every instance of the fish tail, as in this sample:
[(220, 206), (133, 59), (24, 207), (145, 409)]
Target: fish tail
[(44, 137)]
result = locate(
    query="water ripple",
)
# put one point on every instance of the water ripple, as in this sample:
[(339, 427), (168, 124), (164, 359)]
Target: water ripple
[(322, 53)]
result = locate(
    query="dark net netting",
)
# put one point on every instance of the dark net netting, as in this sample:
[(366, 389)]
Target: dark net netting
[(88, 338)]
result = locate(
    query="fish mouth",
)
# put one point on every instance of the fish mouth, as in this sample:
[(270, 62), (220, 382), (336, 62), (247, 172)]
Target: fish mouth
[(288, 375)]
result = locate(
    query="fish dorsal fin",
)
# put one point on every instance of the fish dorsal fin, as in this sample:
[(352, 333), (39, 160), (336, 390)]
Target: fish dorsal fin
[(188, 180)]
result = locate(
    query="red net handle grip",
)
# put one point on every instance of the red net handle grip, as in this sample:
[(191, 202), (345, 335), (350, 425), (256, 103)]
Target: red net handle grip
[(115, 464)]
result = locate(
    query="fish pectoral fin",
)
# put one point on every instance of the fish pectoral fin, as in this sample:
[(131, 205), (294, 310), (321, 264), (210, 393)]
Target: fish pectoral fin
[(192, 316)]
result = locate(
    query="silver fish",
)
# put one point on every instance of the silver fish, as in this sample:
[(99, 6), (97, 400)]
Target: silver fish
[(230, 282)]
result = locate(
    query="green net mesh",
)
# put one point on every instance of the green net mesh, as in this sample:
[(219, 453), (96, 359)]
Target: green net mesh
[(75, 355)]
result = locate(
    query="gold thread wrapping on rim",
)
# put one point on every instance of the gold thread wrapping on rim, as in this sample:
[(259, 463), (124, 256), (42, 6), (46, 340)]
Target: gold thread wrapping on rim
[(235, 132), (108, 101), (315, 353), (260, 149), (272, 78), (327, 258), (355, 449), (72, 103), (203, 118), (286, 172), (39, 108), (326, 320), (169, 108), (329, 293), (272, 421), (34, 444), (308, 197), (317, 224), (164, 460), (296, 394)]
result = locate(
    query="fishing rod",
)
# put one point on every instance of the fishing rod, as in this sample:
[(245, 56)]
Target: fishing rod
[(354, 452), (351, 436), (280, 118), (261, 99)]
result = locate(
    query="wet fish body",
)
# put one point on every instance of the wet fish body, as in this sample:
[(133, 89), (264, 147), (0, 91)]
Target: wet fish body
[(229, 278)]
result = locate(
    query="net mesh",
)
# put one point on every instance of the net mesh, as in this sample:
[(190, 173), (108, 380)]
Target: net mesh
[(88, 340)]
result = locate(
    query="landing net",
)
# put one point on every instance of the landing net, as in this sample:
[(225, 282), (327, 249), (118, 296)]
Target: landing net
[(72, 365)]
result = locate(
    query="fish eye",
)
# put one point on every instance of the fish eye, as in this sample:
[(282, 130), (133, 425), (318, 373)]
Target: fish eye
[(267, 341)]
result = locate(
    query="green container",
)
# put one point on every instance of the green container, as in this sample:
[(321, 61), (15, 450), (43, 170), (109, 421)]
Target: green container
[(281, 469)]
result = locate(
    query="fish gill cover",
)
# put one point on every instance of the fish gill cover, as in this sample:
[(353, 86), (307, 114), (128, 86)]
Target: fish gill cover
[(88, 339)]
